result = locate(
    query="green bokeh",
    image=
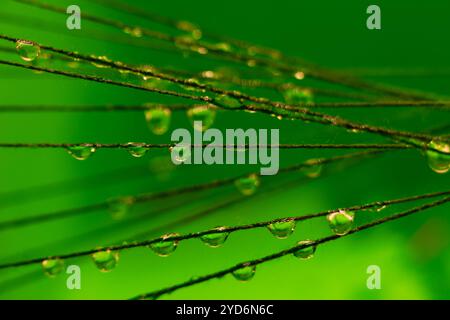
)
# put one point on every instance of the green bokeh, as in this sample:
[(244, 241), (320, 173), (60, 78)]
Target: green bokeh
[(413, 253)]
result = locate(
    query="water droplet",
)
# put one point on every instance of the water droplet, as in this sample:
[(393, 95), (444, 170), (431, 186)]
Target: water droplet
[(105, 260), (438, 162), (282, 229), (137, 149), (341, 222), (27, 50), (227, 102), (204, 114), (216, 239), (180, 154), (165, 247), (245, 273), (158, 119), (298, 96), (248, 185), (82, 151), (377, 208), (53, 266), (307, 252), (119, 207), (133, 31), (312, 169)]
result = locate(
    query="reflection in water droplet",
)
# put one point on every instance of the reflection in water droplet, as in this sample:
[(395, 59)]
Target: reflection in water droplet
[(307, 252), (245, 273), (105, 260), (158, 119), (82, 151), (165, 247), (437, 161), (53, 266), (248, 185), (27, 50), (282, 229), (216, 239), (341, 222)]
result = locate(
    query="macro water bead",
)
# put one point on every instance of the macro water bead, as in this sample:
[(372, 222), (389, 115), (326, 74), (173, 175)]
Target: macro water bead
[(105, 260), (245, 273), (282, 229), (204, 114), (341, 222), (312, 168), (137, 150), (27, 50), (298, 96), (439, 161), (158, 120), (248, 185), (81, 152), (216, 239), (53, 266), (165, 246), (306, 252)]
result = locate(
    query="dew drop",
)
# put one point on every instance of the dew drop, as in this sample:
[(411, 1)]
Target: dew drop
[(158, 120), (53, 266), (312, 169), (245, 273), (137, 149), (438, 162), (165, 247), (341, 222), (105, 260), (298, 96), (307, 252), (216, 239), (27, 50), (204, 114), (119, 207), (180, 154), (82, 151), (282, 229), (248, 185), (227, 102), (187, 26)]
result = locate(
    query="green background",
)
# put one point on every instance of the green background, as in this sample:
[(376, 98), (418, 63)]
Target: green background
[(413, 253)]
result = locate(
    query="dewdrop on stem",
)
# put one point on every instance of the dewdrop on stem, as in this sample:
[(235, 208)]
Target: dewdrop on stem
[(28, 50)]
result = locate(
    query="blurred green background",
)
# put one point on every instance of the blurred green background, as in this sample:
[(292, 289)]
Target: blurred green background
[(413, 253)]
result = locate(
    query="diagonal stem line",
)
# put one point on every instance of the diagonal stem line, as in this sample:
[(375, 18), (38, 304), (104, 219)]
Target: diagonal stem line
[(219, 274)]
